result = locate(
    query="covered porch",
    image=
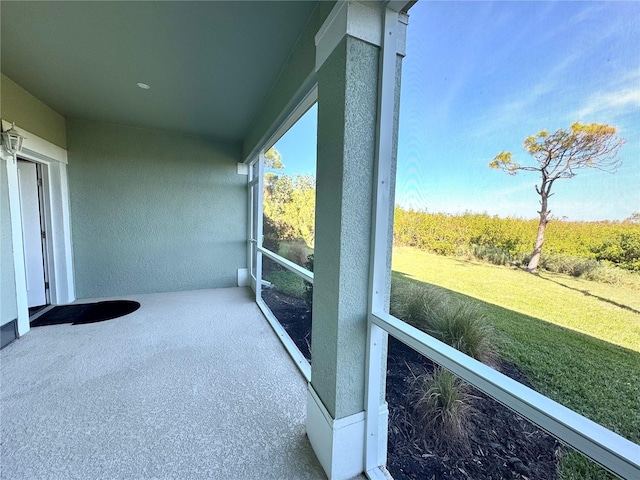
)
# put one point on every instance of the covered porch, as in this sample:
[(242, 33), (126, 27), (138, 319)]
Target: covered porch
[(194, 384), (147, 124)]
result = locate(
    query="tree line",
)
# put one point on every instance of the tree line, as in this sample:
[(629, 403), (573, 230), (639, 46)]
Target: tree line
[(289, 208), (617, 242)]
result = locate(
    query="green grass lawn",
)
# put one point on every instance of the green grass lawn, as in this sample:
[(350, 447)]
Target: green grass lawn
[(577, 341), (284, 280), (287, 282)]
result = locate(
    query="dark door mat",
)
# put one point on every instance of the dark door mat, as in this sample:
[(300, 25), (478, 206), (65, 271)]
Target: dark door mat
[(34, 310), (86, 313)]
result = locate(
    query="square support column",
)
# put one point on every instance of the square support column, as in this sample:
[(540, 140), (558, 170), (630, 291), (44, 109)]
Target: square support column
[(349, 65)]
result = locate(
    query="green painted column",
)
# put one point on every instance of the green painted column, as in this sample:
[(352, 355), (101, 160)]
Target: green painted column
[(347, 103), (358, 60)]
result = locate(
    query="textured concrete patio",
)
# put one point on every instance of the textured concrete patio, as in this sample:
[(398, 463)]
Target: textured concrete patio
[(192, 385)]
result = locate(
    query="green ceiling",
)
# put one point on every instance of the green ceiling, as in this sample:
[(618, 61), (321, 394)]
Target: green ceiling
[(210, 65)]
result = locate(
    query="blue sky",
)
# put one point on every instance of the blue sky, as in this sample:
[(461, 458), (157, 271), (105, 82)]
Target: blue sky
[(479, 77), (298, 146)]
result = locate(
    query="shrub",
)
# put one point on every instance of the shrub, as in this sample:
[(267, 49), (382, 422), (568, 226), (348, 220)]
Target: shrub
[(270, 235), (290, 204), (410, 301), (607, 273), (487, 253), (308, 287), (463, 326), (616, 242), (623, 251), (573, 266), (298, 252), (442, 403), (269, 267), (456, 323), (589, 269)]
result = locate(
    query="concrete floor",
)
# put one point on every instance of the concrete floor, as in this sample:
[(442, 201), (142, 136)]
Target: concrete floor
[(193, 385)]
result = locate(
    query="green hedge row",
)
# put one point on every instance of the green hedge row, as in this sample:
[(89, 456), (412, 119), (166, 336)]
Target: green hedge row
[(611, 241)]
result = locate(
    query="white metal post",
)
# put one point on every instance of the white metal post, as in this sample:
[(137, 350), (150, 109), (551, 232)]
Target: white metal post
[(258, 219), (250, 223), (375, 448), (615, 453)]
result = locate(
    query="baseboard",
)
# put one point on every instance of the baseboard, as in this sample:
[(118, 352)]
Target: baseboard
[(383, 434), (243, 278), (338, 444), (8, 333)]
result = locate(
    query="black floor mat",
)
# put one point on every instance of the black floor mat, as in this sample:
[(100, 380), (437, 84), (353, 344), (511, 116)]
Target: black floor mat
[(86, 313), (34, 310)]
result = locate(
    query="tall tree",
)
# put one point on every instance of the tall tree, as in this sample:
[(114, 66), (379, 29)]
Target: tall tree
[(273, 159), (272, 164), (559, 156)]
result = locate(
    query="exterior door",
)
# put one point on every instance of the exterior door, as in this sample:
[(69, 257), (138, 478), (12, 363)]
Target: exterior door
[(31, 233)]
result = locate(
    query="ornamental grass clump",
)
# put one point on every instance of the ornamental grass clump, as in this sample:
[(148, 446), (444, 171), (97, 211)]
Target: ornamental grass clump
[(464, 327), (441, 401), (442, 404), (410, 302), (455, 322)]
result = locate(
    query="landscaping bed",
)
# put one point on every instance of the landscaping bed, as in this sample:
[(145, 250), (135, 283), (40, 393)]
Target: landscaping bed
[(502, 445)]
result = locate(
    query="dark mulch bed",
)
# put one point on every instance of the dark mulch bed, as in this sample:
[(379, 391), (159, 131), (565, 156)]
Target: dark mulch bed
[(294, 315), (503, 445)]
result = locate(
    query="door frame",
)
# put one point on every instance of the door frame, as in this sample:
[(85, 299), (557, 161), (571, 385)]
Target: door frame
[(55, 188), (43, 229)]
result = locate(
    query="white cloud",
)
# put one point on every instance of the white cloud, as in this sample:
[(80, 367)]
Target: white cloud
[(549, 100), (525, 105), (610, 103)]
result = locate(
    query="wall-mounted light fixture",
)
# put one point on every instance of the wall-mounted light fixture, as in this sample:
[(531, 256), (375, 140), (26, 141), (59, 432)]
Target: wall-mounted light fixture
[(12, 140)]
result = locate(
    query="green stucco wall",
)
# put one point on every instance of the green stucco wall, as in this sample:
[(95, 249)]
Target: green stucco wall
[(29, 113), (347, 104), (153, 211), (8, 308), (293, 83)]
